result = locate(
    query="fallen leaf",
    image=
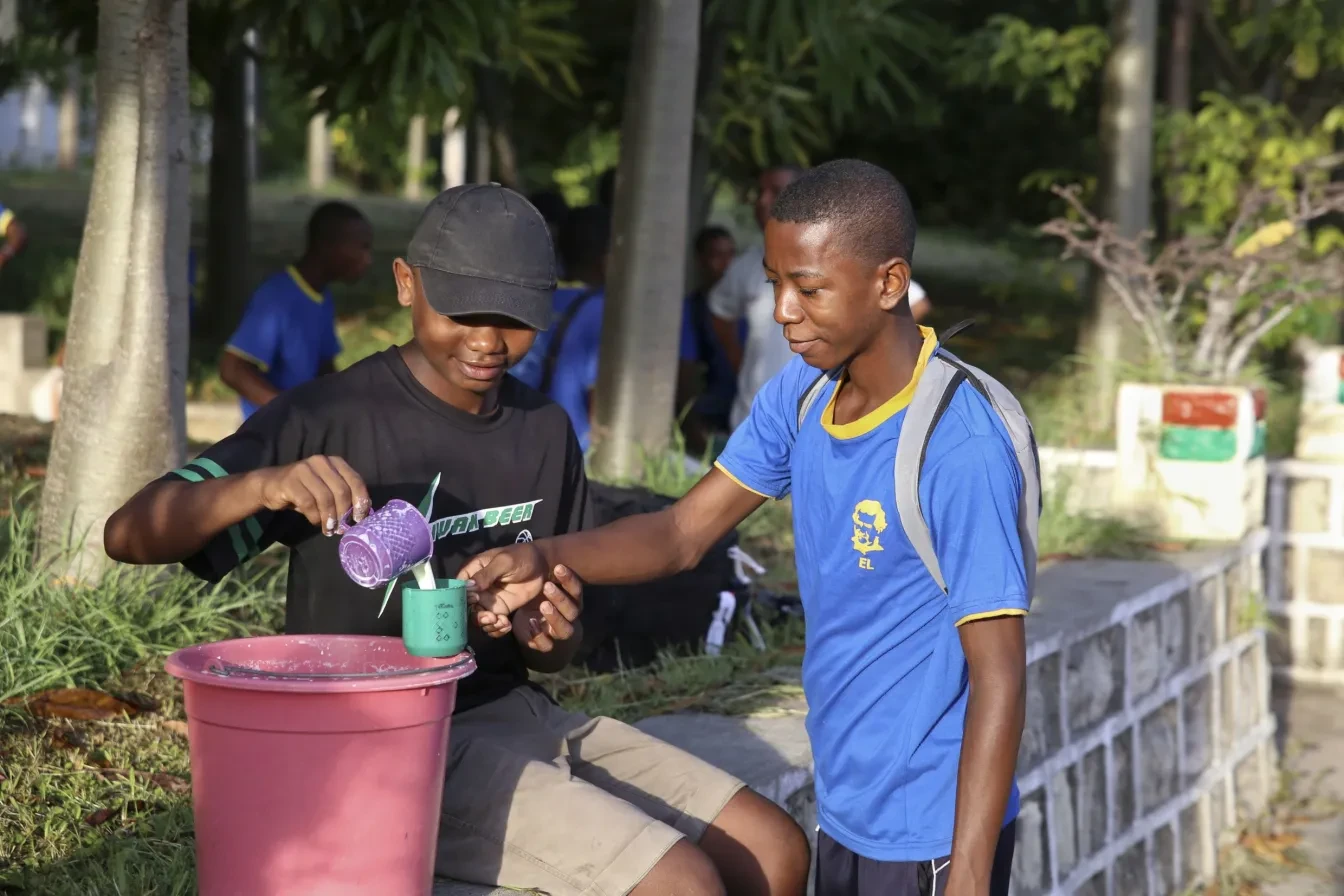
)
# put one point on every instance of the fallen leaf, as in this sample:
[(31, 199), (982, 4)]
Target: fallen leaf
[(142, 702), (103, 816), (171, 783), (175, 726), (68, 739), (77, 703)]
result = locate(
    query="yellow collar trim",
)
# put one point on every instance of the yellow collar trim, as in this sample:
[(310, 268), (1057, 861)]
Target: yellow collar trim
[(889, 408), (303, 284)]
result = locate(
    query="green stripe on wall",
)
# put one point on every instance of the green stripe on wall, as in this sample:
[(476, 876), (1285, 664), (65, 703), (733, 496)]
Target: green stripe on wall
[(1258, 442), (1197, 443)]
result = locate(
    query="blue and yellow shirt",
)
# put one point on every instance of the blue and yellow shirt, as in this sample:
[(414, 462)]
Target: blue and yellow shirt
[(6, 218), (288, 330), (884, 671)]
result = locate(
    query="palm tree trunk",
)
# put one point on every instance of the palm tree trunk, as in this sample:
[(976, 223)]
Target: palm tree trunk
[(319, 153), (1125, 192), (123, 416), (454, 161), (1178, 87), (415, 157), (67, 119), (713, 51), (640, 329), (227, 245)]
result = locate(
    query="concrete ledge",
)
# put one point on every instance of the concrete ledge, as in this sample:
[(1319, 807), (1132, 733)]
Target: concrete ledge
[(1148, 728)]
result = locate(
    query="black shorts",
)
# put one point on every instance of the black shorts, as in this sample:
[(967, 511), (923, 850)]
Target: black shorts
[(841, 872)]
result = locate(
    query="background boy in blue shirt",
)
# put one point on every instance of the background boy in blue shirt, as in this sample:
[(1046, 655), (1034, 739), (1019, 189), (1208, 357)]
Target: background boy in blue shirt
[(916, 696), (288, 333)]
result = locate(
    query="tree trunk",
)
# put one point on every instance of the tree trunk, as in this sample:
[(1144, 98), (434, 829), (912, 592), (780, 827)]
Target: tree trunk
[(1126, 181), (251, 93), (227, 247), (713, 51), (641, 323), (454, 162), (478, 149), (1178, 89), (415, 157), (319, 153), (496, 106), (123, 418), (67, 120)]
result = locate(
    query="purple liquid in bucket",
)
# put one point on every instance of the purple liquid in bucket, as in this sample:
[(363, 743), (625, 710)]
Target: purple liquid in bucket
[(385, 544)]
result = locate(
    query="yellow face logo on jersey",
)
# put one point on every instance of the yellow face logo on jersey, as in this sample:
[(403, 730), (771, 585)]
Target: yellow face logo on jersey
[(870, 521)]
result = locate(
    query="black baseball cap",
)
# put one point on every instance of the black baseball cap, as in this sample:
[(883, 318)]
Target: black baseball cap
[(484, 249)]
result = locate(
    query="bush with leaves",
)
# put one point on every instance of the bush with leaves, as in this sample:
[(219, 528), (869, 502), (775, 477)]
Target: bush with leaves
[(1204, 303)]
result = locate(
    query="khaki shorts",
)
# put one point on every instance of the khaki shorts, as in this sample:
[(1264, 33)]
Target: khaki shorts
[(538, 797)]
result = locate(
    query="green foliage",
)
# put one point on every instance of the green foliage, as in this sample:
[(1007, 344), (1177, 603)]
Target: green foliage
[(1011, 53), (1302, 38), (57, 636), (423, 54), (1214, 154)]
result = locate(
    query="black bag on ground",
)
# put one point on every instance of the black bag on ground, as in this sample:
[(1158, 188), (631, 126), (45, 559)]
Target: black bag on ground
[(627, 625)]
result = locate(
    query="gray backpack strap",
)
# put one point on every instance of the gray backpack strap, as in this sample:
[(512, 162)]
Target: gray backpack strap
[(936, 386), (813, 392), (942, 377)]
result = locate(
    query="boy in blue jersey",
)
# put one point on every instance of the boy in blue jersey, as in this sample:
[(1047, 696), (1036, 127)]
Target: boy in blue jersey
[(916, 695), (288, 333)]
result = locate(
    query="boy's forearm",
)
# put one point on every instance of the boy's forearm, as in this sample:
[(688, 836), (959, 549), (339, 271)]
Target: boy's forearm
[(246, 379), (167, 522), (637, 548), (995, 714)]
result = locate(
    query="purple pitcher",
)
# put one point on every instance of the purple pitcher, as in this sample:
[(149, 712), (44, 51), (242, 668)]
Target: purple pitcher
[(385, 544)]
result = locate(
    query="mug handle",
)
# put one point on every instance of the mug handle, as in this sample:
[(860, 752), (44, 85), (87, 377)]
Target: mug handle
[(344, 525)]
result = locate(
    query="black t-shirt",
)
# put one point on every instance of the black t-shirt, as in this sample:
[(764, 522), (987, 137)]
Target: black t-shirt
[(514, 475)]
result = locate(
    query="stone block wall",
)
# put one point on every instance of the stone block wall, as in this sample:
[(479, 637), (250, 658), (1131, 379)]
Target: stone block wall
[(1305, 581), (1149, 731)]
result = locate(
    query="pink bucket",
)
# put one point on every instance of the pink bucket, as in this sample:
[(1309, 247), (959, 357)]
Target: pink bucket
[(317, 763)]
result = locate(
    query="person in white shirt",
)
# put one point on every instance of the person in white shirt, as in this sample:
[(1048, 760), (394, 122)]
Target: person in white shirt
[(920, 306), (743, 295)]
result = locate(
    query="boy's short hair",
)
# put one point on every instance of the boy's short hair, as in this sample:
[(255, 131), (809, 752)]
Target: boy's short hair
[(708, 235), (867, 205), (584, 236), (326, 223)]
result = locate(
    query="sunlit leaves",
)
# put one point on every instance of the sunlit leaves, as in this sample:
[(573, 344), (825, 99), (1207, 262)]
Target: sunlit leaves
[(1011, 53), (1227, 144)]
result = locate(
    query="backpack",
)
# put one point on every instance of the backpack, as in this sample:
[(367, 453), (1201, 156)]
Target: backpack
[(942, 376), (625, 626)]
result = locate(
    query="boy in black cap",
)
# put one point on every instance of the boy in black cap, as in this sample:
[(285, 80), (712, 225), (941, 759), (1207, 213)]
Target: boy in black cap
[(477, 277)]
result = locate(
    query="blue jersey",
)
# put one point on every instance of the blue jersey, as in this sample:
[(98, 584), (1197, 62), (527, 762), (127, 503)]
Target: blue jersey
[(288, 330), (884, 671), (576, 357), (531, 368)]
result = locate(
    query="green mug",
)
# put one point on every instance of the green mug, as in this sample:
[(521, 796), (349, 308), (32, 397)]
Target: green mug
[(434, 620)]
